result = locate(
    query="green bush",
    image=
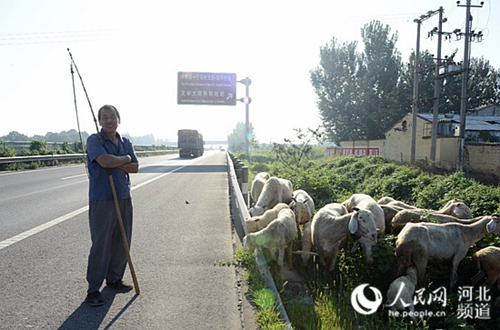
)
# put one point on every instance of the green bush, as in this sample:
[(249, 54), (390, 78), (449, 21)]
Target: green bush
[(7, 151), (38, 147)]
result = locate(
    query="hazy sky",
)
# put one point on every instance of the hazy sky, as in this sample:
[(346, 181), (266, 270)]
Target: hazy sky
[(129, 53)]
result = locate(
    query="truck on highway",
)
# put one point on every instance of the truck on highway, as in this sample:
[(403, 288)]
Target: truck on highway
[(190, 143)]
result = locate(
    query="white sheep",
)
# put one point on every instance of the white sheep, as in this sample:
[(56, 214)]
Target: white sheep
[(366, 202), (487, 262), (257, 185), (329, 230), (389, 213), (303, 206), (454, 211), (275, 190), (401, 291), (457, 208), (335, 210), (260, 222), (277, 236), (394, 203), (421, 243), (385, 200)]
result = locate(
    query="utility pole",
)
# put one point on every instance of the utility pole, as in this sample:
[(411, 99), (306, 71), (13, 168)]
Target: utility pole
[(415, 85), (465, 74), (246, 100), (414, 108), (437, 87)]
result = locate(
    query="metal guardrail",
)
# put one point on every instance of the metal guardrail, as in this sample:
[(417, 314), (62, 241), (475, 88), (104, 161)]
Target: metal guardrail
[(240, 207), (27, 159)]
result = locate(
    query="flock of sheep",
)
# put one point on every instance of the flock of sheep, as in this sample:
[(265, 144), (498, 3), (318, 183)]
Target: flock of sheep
[(423, 236)]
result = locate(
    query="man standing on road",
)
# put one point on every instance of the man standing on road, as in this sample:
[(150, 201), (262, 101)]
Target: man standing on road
[(107, 258)]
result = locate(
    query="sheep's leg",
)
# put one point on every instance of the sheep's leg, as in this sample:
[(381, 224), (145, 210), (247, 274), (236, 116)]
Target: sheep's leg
[(279, 264), (306, 242), (298, 230), (333, 259), (490, 281), (480, 274), (401, 265), (281, 255), (289, 255), (421, 264), (454, 269)]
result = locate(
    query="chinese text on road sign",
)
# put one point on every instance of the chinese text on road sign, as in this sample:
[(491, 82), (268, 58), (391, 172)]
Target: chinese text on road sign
[(206, 88)]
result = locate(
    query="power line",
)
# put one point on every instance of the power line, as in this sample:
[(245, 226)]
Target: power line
[(10, 39)]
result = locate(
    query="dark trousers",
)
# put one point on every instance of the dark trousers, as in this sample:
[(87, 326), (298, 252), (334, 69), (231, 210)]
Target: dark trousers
[(107, 258)]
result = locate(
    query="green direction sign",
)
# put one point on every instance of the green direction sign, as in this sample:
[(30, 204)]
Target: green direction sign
[(206, 88)]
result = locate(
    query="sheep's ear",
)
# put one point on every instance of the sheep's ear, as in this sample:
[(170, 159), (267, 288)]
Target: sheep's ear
[(353, 223), (355, 209), (491, 226)]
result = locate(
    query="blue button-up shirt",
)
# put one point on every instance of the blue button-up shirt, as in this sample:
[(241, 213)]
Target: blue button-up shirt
[(99, 186)]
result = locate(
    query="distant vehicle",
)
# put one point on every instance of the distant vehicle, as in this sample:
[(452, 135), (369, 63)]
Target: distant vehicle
[(190, 143)]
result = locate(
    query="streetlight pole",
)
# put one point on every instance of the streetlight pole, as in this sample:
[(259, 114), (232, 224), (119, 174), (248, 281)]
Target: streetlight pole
[(247, 81)]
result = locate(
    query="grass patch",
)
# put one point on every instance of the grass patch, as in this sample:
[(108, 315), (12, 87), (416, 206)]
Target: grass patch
[(267, 316)]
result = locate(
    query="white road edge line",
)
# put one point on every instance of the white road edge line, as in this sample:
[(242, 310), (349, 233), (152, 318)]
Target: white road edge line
[(47, 225)]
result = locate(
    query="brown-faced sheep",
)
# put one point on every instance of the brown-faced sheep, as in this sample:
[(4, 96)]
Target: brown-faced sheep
[(487, 262), (277, 236), (366, 202), (421, 243), (275, 191), (260, 222)]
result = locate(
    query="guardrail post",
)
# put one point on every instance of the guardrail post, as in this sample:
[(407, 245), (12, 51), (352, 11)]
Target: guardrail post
[(238, 165), (244, 183)]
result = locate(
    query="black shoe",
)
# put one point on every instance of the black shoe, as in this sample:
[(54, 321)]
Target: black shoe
[(120, 285), (95, 299)]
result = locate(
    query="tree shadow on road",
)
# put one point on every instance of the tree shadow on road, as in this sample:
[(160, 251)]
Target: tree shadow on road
[(90, 318)]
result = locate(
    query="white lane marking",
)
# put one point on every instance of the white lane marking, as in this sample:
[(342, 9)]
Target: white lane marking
[(40, 191), (42, 227), (158, 177), (73, 176), (36, 230)]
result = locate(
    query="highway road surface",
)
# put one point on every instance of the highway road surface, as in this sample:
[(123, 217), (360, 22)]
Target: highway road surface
[(182, 233)]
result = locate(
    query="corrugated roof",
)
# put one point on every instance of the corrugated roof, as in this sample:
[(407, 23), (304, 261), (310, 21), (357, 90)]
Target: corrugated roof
[(472, 123)]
